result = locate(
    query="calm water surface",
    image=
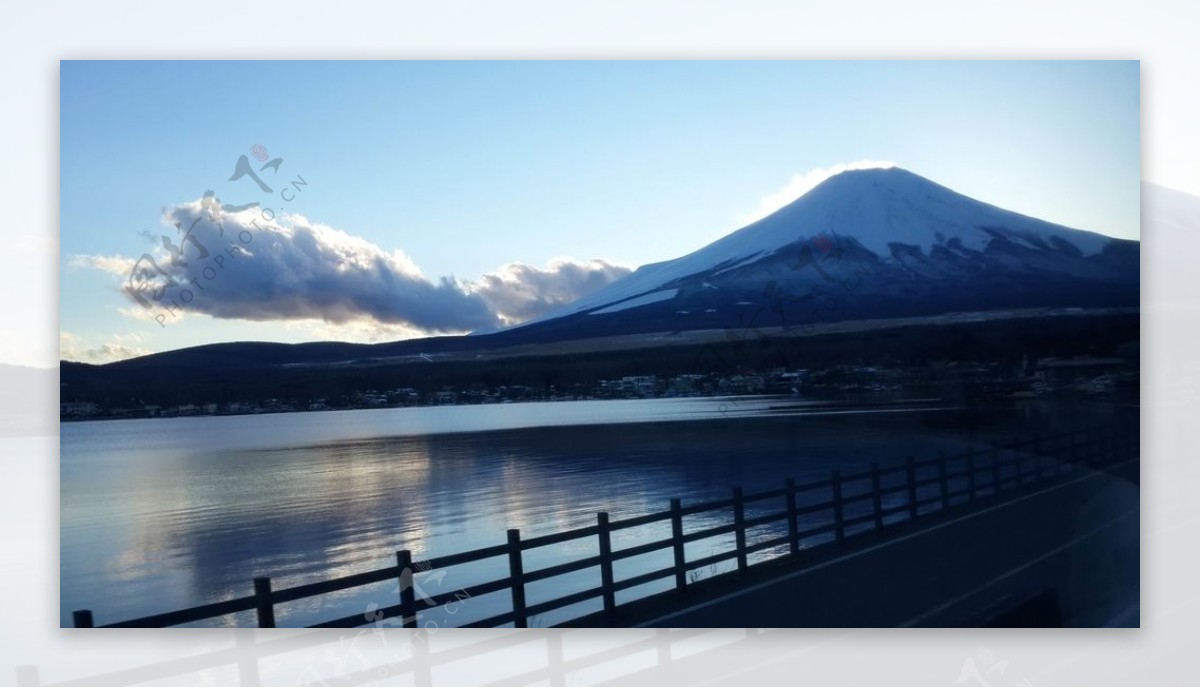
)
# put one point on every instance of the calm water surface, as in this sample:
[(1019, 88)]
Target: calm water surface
[(162, 514)]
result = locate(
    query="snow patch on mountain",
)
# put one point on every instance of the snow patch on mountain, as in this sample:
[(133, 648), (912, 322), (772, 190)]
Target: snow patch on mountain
[(644, 300)]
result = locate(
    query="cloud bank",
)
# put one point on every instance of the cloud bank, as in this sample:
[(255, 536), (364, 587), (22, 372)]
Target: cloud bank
[(118, 348), (250, 266), (519, 292)]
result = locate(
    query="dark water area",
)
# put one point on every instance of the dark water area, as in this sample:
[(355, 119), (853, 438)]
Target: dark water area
[(158, 515)]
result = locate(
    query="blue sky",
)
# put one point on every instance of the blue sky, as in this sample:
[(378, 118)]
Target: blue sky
[(465, 167)]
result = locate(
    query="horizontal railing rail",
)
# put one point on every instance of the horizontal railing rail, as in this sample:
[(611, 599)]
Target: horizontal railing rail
[(924, 487)]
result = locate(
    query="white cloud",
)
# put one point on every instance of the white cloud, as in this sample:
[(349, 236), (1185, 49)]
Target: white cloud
[(355, 331), (246, 267), (803, 182), (147, 315), (117, 265), (118, 348), (518, 292)]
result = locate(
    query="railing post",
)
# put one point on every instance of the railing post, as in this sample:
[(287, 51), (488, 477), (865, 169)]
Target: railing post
[(677, 545), (793, 527), (876, 496), (408, 594), (83, 618), (972, 488), (839, 517), (911, 470), (606, 563), (739, 529), (516, 572), (996, 476), (263, 602), (943, 481)]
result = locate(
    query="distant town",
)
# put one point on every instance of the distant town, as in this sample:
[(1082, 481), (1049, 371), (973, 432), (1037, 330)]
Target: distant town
[(1092, 376)]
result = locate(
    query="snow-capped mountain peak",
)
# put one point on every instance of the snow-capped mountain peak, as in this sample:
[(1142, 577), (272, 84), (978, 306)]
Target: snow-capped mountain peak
[(879, 207), (889, 214)]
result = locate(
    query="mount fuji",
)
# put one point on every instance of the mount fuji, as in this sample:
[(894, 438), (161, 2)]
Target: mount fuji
[(864, 244)]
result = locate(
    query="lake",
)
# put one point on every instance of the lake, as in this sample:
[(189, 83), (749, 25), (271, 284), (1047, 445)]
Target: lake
[(162, 514)]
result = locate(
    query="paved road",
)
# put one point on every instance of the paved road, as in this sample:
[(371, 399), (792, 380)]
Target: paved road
[(1075, 542)]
